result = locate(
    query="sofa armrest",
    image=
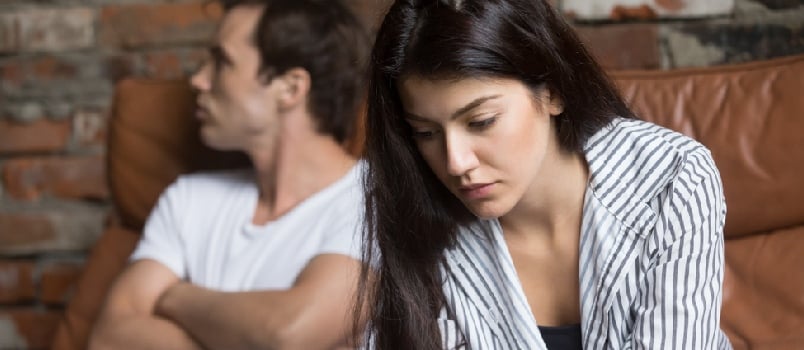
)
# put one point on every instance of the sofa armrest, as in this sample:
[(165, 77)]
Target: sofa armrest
[(107, 259)]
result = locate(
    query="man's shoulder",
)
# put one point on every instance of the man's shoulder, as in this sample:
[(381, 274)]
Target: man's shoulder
[(218, 177), (346, 193), (215, 180), (206, 188)]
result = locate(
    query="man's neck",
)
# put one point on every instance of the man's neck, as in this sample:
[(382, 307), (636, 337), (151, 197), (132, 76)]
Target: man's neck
[(297, 169)]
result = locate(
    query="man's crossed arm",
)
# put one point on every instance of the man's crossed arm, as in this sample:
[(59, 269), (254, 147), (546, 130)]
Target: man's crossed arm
[(149, 307)]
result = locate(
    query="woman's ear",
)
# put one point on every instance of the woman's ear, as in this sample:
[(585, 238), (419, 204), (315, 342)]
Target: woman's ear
[(294, 88), (555, 105)]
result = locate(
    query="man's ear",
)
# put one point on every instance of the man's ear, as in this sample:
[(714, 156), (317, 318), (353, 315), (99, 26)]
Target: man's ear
[(294, 88)]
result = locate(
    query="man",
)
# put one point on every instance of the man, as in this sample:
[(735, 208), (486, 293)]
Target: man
[(265, 258)]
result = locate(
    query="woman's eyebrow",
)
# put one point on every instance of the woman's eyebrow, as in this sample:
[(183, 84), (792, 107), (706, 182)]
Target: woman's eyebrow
[(466, 108), (472, 105)]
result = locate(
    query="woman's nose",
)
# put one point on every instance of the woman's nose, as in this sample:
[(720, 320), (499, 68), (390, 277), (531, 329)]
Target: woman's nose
[(461, 157)]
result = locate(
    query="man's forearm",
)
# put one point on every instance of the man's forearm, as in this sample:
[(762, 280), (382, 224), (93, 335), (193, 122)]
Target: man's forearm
[(220, 320), (141, 332)]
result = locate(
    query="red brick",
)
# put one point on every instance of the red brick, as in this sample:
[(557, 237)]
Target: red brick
[(16, 282), (12, 73), (62, 227), (623, 46), (642, 12), (50, 68), (58, 282), (21, 229), (144, 25), (25, 112), (122, 66), (164, 65), (671, 5), (52, 75), (54, 29), (40, 136), (35, 327), (72, 177), (9, 33), (89, 128)]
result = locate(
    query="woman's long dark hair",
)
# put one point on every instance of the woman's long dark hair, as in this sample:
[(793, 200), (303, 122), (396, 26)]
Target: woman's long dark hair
[(411, 217)]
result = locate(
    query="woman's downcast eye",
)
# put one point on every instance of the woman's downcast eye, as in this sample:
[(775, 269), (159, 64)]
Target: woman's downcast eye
[(423, 134), (483, 123), (475, 125)]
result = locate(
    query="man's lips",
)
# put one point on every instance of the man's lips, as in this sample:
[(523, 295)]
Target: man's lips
[(201, 113)]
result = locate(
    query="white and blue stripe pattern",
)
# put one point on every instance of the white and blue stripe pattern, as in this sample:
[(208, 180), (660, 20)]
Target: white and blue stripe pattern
[(651, 251)]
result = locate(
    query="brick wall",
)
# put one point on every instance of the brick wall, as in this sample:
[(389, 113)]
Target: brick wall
[(665, 34), (59, 60)]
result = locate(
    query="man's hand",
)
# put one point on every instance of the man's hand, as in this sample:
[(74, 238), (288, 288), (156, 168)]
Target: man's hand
[(127, 320)]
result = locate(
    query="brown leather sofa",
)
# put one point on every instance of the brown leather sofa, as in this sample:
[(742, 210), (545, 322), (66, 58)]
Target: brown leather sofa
[(751, 116)]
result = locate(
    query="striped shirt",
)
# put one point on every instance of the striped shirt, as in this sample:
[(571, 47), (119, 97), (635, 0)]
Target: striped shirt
[(651, 254)]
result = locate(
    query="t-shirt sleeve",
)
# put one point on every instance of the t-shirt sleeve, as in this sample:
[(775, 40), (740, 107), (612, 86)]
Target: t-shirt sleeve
[(161, 238), (346, 233)]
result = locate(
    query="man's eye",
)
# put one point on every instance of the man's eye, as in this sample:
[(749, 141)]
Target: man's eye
[(217, 62), (482, 124)]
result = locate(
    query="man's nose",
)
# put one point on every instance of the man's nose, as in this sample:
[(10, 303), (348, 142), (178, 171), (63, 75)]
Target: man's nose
[(200, 80)]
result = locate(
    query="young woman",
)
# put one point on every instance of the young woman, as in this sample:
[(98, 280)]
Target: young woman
[(513, 200)]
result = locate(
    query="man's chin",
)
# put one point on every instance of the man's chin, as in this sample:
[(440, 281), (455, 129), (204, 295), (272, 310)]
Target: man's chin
[(216, 143)]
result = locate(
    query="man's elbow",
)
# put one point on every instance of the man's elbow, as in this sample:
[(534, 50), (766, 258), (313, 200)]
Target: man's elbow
[(100, 339), (279, 337), (292, 335), (95, 343), (106, 333)]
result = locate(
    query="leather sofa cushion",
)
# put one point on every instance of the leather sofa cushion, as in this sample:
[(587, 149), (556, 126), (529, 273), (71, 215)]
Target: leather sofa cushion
[(763, 304)]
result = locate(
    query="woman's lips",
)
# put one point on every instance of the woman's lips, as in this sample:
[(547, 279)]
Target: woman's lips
[(475, 191)]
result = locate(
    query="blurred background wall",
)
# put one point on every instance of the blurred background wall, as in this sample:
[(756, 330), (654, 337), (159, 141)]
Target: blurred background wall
[(59, 60)]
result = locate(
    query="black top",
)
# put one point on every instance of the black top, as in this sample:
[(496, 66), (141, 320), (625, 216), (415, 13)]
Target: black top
[(562, 337)]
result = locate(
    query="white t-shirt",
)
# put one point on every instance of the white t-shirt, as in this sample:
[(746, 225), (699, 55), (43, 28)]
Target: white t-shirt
[(201, 229)]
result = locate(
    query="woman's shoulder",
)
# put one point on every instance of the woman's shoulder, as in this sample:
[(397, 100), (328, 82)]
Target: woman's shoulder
[(640, 148), (633, 164), (637, 138), (475, 239)]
